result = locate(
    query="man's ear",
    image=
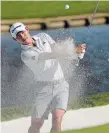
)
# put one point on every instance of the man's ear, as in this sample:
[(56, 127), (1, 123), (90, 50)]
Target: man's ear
[(27, 29)]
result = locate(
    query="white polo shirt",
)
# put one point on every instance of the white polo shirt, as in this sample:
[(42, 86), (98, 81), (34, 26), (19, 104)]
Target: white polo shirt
[(48, 70)]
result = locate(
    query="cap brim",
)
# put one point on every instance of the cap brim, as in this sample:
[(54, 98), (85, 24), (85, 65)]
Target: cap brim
[(17, 31)]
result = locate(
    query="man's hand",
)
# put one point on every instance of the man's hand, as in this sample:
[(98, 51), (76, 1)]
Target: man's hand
[(80, 48)]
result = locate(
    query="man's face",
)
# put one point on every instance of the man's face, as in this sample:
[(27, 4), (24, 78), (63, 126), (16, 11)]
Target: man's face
[(23, 37)]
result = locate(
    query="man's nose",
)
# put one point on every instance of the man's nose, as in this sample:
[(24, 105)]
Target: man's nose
[(21, 35)]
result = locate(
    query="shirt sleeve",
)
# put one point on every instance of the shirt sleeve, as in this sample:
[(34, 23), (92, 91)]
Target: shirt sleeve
[(29, 55)]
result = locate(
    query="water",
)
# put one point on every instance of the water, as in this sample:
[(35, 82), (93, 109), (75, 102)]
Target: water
[(92, 74)]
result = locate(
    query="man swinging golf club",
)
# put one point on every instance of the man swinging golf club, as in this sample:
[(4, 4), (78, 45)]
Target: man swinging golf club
[(40, 55)]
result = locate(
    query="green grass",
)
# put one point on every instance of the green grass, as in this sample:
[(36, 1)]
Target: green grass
[(98, 129), (89, 101), (9, 113), (34, 9)]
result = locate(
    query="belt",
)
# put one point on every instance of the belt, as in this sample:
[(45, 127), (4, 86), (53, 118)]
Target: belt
[(50, 82)]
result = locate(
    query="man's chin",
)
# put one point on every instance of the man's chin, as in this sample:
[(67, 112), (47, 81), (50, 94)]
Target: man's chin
[(27, 42)]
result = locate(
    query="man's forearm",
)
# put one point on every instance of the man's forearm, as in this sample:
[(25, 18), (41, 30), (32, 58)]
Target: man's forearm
[(55, 55), (52, 55), (58, 52)]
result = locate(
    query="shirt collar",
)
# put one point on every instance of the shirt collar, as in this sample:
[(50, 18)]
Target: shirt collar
[(26, 47)]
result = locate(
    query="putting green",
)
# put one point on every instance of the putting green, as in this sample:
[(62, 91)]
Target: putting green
[(38, 9), (98, 129)]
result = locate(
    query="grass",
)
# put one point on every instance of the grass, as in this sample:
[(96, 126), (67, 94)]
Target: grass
[(23, 111), (41, 9), (91, 101), (98, 129), (10, 113)]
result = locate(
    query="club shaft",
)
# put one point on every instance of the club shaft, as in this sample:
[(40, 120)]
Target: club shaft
[(92, 18)]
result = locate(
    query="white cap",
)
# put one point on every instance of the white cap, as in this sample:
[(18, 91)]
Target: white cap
[(16, 27)]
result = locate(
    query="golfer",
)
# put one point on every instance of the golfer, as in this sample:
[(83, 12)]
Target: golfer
[(40, 55)]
